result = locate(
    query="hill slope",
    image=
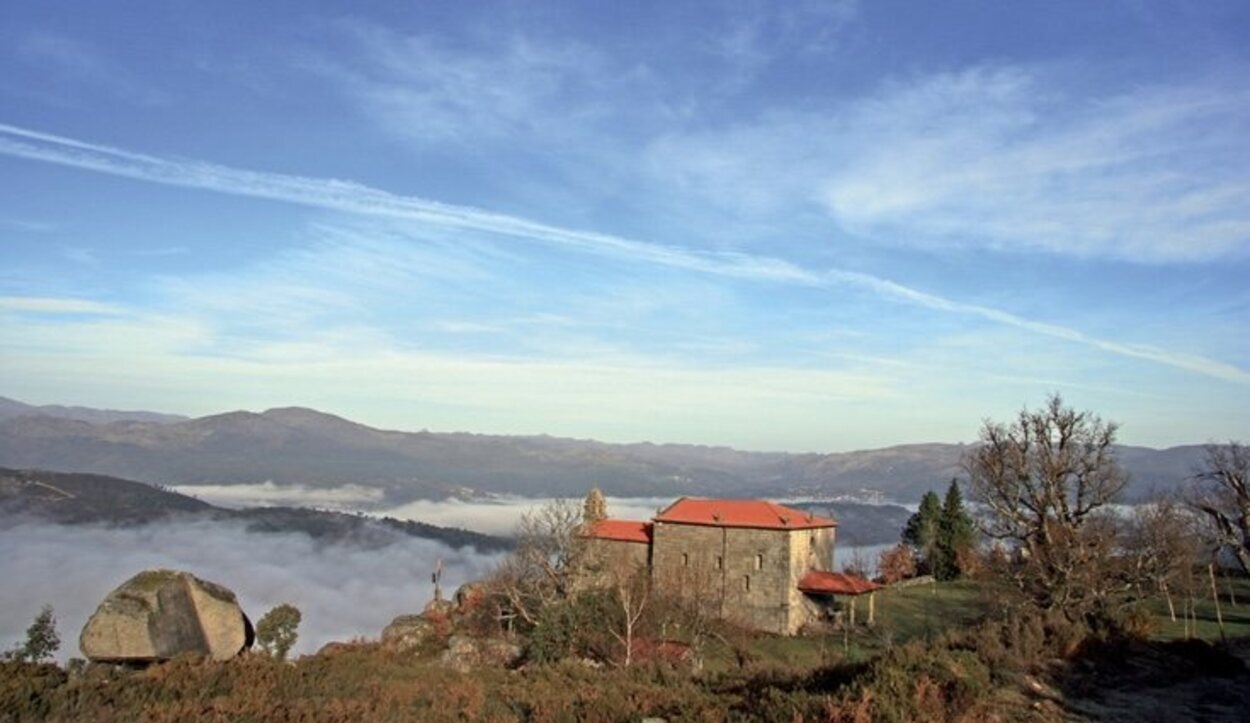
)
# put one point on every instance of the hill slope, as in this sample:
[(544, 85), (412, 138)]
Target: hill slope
[(68, 498), (304, 446)]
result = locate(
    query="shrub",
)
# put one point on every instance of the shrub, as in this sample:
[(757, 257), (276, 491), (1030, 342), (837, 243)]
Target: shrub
[(276, 631), (42, 640)]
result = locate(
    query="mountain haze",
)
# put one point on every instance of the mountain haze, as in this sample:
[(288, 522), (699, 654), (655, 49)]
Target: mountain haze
[(303, 446)]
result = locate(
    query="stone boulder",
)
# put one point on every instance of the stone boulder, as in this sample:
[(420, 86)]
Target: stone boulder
[(159, 614), (468, 596), (439, 608), (407, 632), (464, 653)]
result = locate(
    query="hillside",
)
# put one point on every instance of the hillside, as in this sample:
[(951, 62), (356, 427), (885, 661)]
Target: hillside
[(71, 499), (304, 446)]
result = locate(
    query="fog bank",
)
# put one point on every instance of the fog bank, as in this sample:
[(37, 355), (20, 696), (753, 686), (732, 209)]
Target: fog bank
[(342, 590)]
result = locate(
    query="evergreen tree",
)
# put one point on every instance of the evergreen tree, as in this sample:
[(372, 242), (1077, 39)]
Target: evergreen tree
[(955, 535), (42, 640), (921, 531)]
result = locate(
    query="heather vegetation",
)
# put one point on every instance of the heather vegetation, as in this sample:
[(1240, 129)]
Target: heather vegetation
[(940, 652)]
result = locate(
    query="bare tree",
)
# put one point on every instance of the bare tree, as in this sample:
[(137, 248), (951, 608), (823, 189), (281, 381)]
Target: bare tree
[(633, 592), (1161, 543), (1042, 481), (1221, 491), (542, 568)]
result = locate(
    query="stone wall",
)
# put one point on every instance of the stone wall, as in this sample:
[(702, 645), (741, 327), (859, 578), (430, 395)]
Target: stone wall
[(809, 550), (604, 562), (741, 574)]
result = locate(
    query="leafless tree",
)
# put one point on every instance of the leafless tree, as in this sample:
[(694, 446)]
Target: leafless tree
[(1043, 482), (542, 568), (1162, 548), (684, 606), (1221, 491), (633, 592)]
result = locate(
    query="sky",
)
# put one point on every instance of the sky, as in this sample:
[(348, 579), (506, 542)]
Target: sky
[(805, 226)]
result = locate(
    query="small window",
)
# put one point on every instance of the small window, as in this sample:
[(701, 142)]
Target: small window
[(720, 563), (759, 562), (746, 582), (685, 559)]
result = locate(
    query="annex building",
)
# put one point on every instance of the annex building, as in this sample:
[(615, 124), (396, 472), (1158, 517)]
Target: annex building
[(757, 563)]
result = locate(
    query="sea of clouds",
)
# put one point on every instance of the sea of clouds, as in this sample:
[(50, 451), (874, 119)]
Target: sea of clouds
[(344, 591)]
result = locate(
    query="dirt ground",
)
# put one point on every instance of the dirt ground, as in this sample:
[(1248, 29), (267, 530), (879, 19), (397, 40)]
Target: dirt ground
[(1145, 682)]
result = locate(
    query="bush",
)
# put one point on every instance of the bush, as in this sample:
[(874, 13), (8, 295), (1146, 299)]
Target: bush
[(578, 627)]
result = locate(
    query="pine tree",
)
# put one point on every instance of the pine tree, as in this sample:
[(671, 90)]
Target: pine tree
[(922, 528), (955, 534)]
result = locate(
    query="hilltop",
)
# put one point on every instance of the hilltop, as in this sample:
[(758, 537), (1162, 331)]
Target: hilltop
[(304, 446)]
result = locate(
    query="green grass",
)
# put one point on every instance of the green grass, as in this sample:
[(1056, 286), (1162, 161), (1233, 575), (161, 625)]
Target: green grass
[(902, 614), (1236, 617), (922, 611)]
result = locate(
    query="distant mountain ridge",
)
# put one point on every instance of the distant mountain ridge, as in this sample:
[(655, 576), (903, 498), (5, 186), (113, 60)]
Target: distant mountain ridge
[(294, 445), (10, 408)]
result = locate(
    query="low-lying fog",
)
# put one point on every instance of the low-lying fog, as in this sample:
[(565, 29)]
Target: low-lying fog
[(343, 591)]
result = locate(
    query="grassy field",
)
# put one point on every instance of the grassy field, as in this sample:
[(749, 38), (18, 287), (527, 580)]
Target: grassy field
[(1236, 616), (902, 615), (923, 612)]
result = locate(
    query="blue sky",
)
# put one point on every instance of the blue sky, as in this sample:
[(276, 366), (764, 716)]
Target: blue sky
[(812, 226)]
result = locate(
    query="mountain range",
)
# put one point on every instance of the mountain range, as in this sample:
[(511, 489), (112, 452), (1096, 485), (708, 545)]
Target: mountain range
[(295, 445)]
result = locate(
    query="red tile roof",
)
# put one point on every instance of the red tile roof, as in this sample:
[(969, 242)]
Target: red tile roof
[(624, 530), (836, 583), (741, 513)]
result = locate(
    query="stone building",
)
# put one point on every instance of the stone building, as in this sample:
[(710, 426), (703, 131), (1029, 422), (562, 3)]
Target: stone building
[(757, 563)]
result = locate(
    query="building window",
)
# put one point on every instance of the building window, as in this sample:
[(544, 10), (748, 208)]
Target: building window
[(685, 559), (759, 562), (720, 563), (746, 582)]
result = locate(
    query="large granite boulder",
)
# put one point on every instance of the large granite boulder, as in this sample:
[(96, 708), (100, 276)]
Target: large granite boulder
[(159, 614), (407, 632)]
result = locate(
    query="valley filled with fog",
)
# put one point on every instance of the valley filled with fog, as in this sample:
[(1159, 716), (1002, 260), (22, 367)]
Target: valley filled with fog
[(344, 590)]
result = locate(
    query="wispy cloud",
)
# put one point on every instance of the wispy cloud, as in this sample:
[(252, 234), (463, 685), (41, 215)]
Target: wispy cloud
[(424, 88), (57, 305), (1007, 158), (359, 199), (65, 58), (26, 225)]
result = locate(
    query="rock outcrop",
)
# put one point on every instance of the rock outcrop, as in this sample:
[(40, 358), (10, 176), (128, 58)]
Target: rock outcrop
[(159, 614), (464, 653), (407, 632)]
